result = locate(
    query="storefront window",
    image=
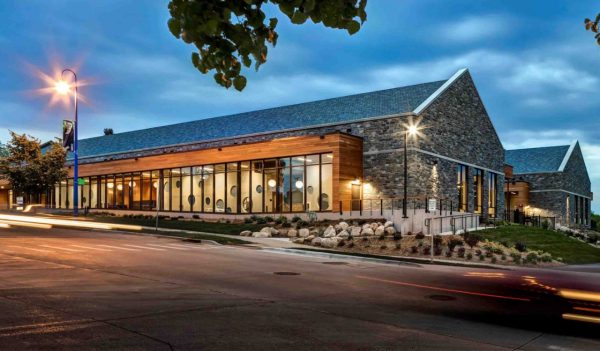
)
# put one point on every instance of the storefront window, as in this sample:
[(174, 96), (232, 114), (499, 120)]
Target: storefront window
[(461, 183), (197, 186), (187, 199), (313, 188), (478, 187), (232, 188), (209, 186), (492, 194), (220, 190), (257, 186), (298, 182), (326, 187), (285, 187), (271, 182)]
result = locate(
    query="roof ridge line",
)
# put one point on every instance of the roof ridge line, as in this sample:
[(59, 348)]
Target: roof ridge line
[(565, 160), (440, 91)]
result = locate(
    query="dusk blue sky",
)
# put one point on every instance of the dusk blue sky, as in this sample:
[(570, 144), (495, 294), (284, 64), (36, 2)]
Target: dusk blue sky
[(536, 68)]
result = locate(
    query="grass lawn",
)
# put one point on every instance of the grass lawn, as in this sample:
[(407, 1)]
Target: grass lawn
[(197, 226), (559, 245)]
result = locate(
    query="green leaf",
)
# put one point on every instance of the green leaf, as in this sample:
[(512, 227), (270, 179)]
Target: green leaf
[(353, 27), (195, 59), (239, 83), (299, 17), (174, 27), (273, 23)]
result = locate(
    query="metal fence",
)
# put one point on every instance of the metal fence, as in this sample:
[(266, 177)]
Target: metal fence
[(390, 205), (525, 218), (452, 223)]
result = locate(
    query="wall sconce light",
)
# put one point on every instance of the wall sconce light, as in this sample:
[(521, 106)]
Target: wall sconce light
[(299, 184), (272, 183), (356, 181)]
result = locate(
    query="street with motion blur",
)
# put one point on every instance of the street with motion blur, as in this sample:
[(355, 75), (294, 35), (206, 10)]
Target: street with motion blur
[(92, 289)]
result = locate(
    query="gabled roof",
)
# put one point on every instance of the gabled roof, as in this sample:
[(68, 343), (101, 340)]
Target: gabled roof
[(538, 159), (305, 115)]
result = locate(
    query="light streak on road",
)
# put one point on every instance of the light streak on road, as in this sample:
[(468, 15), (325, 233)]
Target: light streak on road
[(67, 222), (463, 292), (580, 295), (25, 224), (581, 318), (4, 225)]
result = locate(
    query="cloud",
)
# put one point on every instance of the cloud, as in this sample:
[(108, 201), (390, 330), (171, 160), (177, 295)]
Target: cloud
[(476, 28)]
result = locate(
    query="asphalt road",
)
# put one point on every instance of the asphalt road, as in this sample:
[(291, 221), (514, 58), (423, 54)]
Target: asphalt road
[(90, 290)]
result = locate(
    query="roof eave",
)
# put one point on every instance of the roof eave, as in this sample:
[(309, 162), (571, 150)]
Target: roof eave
[(439, 91)]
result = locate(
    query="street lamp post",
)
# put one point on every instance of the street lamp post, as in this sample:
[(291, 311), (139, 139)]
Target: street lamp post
[(410, 130), (63, 88)]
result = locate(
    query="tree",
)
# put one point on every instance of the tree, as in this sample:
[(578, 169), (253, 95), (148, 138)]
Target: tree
[(3, 150), (593, 26), (28, 170), (232, 33), (108, 131)]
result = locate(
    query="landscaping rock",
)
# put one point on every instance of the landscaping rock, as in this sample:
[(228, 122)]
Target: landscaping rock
[(329, 242), (390, 230), (316, 241), (355, 231), (261, 235), (266, 230), (310, 237), (366, 226), (274, 231), (343, 234), (304, 232), (292, 233), (314, 232), (380, 230), (367, 232), (282, 232), (389, 224), (374, 226), (344, 225), (329, 232), (246, 233), (298, 240)]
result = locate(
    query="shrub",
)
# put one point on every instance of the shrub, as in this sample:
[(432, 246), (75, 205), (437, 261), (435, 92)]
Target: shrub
[(296, 219), (248, 220), (426, 250), (269, 219), (461, 252), (281, 219), (409, 233), (489, 254), (472, 239), (494, 260), (545, 224), (286, 225), (420, 236), (253, 218), (516, 257), (302, 223), (362, 221), (481, 258), (469, 256), (260, 220), (448, 253), (398, 246), (504, 243), (532, 257), (195, 216), (397, 236), (383, 247), (478, 252), (174, 218), (437, 250), (503, 257), (546, 257), (414, 249), (437, 240), (520, 246), (454, 243)]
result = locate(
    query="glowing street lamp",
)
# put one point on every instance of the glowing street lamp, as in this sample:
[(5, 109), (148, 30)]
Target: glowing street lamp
[(64, 88), (412, 130)]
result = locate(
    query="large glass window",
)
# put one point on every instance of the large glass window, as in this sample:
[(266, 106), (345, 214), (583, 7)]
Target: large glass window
[(220, 190), (463, 190), (492, 194), (186, 189), (145, 186), (257, 186), (232, 188), (197, 186), (166, 190), (271, 182), (478, 187), (298, 181), (176, 189), (326, 182), (208, 177), (94, 192), (244, 187), (110, 192), (63, 194), (284, 195)]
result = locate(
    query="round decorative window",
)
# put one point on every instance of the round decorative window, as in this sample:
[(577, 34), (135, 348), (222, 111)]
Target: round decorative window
[(259, 189), (191, 200), (324, 201), (220, 204), (309, 189), (246, 204), (233, 191), (178, 184)]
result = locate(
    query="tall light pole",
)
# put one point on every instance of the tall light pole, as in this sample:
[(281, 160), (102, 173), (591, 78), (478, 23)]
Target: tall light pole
[(62, 87), (411, 130)]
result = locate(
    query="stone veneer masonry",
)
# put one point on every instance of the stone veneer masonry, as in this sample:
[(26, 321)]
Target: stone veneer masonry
[(456, 125), (573, 179)]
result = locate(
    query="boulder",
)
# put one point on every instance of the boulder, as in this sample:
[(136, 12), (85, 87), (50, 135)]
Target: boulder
[(366, 226), (355, 231), (337, 228), (314, 232), (380, 230), (388, 224), (304, 232), (367, 232), (310, 237), (390, 230), (282, 232), (246, 233), (266, 230), (343, 234), (298, 240), (261, 235), (329, 242), (316, 241), (329, 232), (374, 226), (343, 225), (292, 233), (274, 231)]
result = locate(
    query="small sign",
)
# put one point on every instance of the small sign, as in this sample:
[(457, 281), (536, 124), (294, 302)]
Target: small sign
[(80, 181), (68, 135), (432, 205), (20, 200)]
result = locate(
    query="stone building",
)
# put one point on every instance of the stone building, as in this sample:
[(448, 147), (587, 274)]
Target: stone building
[(550, 181), (338, 156)]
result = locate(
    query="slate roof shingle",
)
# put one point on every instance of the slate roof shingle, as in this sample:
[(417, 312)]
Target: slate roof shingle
[(536, 160), (336, 110)]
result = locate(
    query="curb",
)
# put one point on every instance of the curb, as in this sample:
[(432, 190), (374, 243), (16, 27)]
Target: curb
[(163, 235), (397, 260)]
